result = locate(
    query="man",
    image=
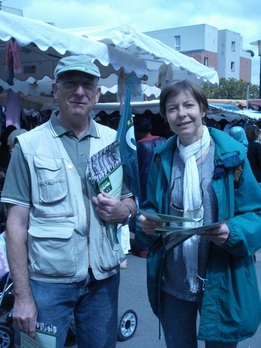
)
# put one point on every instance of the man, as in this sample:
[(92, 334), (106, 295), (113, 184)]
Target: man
[(146, 143), (60, 257)]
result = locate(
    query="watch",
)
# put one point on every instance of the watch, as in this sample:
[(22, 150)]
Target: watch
[(125, 222)]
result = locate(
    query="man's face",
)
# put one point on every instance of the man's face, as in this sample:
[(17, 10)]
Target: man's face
[(76, 94)]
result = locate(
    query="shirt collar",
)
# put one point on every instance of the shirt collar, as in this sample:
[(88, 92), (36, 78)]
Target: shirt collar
[(60, 130)]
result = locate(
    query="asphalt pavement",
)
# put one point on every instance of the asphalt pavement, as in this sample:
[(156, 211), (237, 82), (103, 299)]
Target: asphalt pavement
[(133, 295)]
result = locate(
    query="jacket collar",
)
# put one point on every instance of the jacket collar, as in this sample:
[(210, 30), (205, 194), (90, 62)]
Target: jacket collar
[(224, 158)]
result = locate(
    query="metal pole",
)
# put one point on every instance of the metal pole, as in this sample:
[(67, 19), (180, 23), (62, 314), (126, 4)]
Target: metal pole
[(260, 79), (247, 96)]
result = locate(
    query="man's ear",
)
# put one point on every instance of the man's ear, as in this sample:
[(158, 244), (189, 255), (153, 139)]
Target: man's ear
[(54, 89), (98, 94)]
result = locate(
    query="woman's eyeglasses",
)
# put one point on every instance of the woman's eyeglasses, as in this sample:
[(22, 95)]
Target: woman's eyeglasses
[(179, 209)]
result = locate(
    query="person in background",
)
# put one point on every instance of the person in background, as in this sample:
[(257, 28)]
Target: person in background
[(146, 143), (239, 134), (10, 142), (12, 138), (61, 259), (8, 145), (254, 151), (203, 175), (4, 149)]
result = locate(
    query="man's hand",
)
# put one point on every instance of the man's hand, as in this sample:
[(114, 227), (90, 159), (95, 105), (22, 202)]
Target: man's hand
[(24, 309), (25, 315), (110, 208)]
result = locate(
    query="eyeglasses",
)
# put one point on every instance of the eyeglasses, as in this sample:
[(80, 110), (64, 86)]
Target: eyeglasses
[(73, 85), (177, 182)]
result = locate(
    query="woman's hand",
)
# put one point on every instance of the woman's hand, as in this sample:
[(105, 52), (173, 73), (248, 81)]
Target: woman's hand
[(148, 226), (219, 234)]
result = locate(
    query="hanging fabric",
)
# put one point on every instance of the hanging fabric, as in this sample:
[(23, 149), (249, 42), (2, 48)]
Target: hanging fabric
[(13, 61)]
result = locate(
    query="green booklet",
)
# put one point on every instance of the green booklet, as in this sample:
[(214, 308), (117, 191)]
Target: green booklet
[(45, 337), (106, 175), (175, 235), (165, 218)]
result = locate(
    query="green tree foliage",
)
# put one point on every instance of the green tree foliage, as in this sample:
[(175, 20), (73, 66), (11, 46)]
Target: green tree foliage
[(231, 89)]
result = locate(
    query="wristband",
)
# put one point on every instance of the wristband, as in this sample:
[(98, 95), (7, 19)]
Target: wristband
[(125, 222)]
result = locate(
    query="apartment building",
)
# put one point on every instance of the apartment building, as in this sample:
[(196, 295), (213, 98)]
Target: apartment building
[(11, 10), (218, 49)]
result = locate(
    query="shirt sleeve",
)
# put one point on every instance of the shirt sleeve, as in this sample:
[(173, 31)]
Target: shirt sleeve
[(17, 187), (125, 191)]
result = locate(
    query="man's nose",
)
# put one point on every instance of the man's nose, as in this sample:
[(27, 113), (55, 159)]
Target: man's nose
[(80, 89)]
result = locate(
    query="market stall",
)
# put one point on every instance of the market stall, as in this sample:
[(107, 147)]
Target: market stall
[(30, 50)]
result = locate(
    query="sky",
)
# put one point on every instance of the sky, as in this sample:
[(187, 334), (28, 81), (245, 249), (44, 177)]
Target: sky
[(242, 17)]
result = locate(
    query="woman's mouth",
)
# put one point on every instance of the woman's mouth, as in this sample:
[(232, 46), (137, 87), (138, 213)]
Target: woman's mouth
[(183, 124)]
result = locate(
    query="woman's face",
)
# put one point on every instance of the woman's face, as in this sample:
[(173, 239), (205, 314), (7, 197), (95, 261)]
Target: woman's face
[(185, 117)]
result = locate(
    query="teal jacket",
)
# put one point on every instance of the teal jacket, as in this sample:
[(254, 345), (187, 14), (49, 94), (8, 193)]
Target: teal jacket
[(231, 307)]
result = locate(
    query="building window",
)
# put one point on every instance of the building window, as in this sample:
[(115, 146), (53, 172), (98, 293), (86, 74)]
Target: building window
[(177, 43), (206, 61), (233, 46), (232, 66)]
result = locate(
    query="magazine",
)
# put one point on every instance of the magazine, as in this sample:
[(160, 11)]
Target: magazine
[(105, 175), (4, 267), (45, 337), (175, 235), (165, 218)]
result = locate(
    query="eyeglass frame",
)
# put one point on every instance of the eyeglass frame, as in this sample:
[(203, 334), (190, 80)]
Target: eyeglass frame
[(71, 85), (189, 210)]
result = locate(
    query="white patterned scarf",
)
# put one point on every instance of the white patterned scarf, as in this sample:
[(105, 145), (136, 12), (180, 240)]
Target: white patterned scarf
[(192, 202)]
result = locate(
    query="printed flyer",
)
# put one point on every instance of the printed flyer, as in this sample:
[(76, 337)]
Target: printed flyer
[(45, 337)]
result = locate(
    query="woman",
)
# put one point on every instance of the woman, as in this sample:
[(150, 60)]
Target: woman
[(254, 151), (203, 175)]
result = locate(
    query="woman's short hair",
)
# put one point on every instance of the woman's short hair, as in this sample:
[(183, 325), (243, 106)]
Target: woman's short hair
[(172, 89)]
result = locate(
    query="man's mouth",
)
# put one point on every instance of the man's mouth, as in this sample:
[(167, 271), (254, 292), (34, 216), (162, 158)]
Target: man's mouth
[(77, 103)]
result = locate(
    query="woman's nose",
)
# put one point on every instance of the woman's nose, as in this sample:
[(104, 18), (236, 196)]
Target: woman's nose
[(181, 111)]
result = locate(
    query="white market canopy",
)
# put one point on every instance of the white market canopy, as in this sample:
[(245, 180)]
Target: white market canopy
[(42, 45), (118, 51), (214, 112), (43, 87), (122, 52), (151, 51)]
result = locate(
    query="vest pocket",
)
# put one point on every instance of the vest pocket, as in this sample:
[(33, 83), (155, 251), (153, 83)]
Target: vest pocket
[(109, 257), (52, 180), (52, 251)]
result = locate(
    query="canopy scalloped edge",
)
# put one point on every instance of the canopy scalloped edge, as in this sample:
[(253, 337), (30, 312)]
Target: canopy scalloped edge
[(45, 36), (141, 45)]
